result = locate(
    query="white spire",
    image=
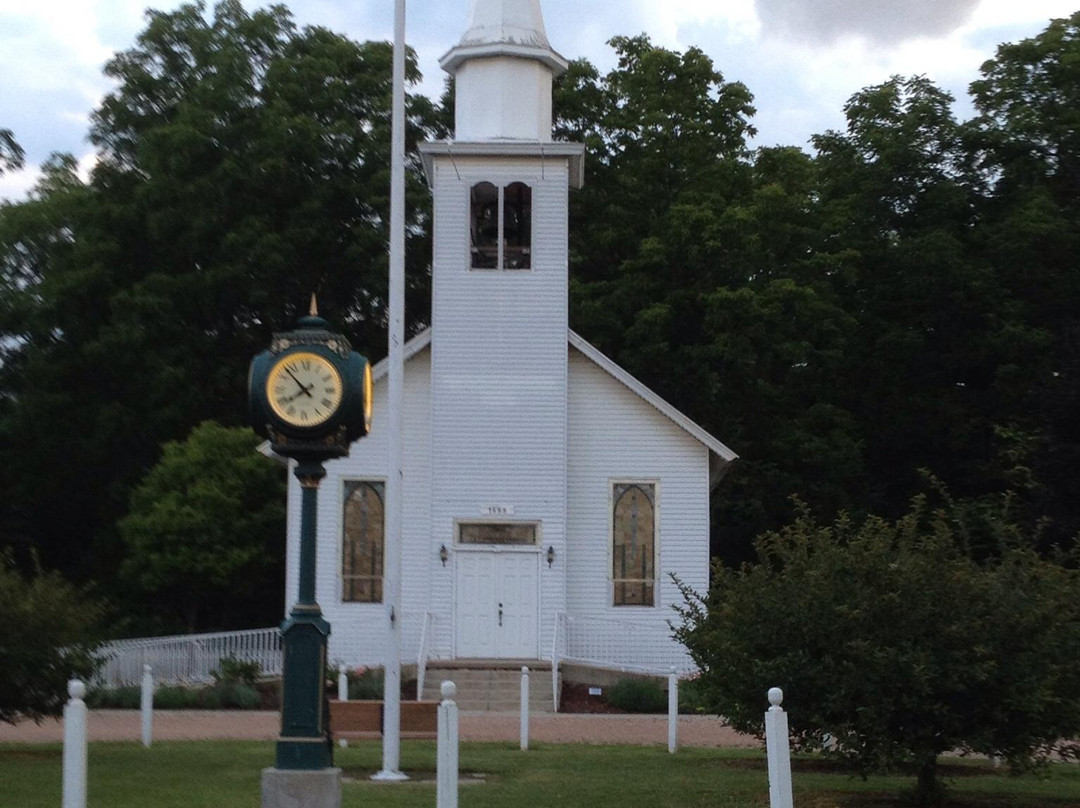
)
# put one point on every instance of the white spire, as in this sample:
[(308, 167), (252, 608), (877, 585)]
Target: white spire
[(504, 27), (503, 67), (498, 21)]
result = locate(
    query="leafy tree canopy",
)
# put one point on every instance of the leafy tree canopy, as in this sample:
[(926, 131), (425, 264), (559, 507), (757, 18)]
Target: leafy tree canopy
[(11, 153), (205, 536), (243, 164)]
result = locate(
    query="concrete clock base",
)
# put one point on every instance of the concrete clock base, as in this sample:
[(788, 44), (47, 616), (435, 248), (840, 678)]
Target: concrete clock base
[(297, 788)]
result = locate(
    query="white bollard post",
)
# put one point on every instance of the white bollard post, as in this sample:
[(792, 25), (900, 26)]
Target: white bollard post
[(672, 711), (75, 747), (343, 695), (777, 745), (524, 708), (146, 706), (446, 766)]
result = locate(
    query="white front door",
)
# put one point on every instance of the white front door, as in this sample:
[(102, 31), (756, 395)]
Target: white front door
[(497, 604)]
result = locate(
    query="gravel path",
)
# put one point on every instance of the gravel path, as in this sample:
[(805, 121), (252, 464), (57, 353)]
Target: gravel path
[(190, 725)]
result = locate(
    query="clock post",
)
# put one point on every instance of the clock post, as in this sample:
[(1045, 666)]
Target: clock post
[(310, 395)]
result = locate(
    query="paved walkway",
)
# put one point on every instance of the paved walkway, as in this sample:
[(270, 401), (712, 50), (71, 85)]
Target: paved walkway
[(190, 725)]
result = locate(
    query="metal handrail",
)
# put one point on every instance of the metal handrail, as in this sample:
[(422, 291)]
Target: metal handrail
[(188, 657), (600, 642), (422, 655)]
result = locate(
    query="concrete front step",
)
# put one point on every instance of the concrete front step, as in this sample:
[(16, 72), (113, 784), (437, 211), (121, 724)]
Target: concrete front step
[(496, 688)]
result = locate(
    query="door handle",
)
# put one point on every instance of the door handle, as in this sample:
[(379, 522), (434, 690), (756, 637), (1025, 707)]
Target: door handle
[(500, 615)]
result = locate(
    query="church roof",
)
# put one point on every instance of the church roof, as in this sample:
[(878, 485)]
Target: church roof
[(619, 374)]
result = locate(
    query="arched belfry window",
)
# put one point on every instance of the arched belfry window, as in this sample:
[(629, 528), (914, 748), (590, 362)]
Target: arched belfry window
[(633, 547), (501, 226), (485, 226), (362, 544), (517, 226)]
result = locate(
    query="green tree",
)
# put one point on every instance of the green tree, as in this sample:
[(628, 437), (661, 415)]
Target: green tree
[(11, 153), (891, 639), (664, 132), (243, 164), (205, 536), (48, 635), (936, 328), (1026, 140)]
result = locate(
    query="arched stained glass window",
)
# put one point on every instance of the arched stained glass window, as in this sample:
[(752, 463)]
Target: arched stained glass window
[(633, 551), (362, 542)]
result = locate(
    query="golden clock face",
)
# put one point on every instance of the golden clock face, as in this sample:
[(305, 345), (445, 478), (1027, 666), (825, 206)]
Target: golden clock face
[(303, 389)]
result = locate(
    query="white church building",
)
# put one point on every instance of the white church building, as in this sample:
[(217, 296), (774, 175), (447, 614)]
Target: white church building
[(548, 495)]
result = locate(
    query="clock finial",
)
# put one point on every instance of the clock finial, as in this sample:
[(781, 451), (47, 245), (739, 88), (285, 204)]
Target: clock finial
[(313, 310)]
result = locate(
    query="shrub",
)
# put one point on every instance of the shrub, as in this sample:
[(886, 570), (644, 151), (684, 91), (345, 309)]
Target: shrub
[(175, 697), (49, 635), (117, 698), (895, 642), (692, 699), (235, 696), (219, 696), (233, 670), (638, 695), (364, 683)]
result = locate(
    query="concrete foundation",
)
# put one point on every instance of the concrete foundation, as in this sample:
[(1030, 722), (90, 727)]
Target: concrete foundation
[(297, 788)]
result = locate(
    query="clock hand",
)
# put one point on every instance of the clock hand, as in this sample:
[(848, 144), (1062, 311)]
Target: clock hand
[(294, 396), (305, 390)]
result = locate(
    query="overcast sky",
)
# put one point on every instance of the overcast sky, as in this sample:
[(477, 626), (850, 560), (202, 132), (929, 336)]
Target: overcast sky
[(801, 58)]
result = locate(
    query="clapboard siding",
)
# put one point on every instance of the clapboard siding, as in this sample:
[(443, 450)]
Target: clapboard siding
[(358, 630), (615, 435), (499, 366)]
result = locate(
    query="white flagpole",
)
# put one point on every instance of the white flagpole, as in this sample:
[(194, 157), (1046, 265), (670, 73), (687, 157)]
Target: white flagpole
[(395, 403)]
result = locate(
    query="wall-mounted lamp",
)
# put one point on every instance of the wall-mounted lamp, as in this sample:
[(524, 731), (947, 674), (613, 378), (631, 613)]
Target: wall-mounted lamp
[(443, 554), (550, 555)]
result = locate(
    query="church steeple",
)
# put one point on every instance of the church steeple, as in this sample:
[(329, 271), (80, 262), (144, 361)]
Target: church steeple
[(503, 67)]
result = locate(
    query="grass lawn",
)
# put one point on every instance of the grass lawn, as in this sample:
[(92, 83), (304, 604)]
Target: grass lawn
[(224, 774)]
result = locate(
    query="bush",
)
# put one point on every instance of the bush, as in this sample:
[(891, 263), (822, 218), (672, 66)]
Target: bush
[(895, 642), (236, 696), (175, 697), (638, 695), (49, 635), (692, 699), (365, 684), (218, 696), (233, 670), (118, 698)]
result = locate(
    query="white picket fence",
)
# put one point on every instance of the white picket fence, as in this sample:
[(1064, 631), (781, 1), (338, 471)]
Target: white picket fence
[(188, 657)]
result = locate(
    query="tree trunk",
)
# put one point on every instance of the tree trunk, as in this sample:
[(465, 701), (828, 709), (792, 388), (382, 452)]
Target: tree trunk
[(929, 791)]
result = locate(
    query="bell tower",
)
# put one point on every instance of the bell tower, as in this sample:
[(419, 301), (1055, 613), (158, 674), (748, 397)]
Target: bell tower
[(502, 68), (499, 304)]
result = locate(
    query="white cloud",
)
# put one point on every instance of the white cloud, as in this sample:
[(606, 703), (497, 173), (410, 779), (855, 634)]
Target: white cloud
[(17, 184), (994, 13), (668, 22), (883, 21)]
